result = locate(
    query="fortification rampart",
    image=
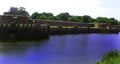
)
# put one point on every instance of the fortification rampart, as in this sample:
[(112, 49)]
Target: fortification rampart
[(61, 23), (21, 21), (22, 27)]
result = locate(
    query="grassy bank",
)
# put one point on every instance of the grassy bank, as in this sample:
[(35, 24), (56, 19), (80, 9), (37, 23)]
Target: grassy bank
[(112, 57)]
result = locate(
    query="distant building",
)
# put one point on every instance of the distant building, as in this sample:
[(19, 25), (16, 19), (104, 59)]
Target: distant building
[(13, 9), (13, 12)]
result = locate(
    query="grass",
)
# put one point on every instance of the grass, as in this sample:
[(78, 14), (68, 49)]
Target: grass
[(61, 26), (112, 57), (54, 27)]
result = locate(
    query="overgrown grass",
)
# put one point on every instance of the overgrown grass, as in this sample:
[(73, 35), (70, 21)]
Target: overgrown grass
[(62, 27), (112, 57)]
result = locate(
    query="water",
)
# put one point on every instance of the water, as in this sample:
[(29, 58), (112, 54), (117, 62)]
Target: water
[(59, 49)]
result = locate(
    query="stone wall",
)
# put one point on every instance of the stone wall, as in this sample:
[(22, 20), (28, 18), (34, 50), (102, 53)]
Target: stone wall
[(23, 27), (12, 19), (56, 23)]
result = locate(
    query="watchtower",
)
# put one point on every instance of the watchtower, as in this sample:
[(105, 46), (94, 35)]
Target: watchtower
[(13, 16)]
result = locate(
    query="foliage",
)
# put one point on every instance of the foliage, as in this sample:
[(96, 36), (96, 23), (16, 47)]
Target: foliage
[(87, 19), (63, 16), (113, 21), (74, 19), (67, 17), (118, 22), (112, 57), (21, 10), (102, 19), (43, 16), (35, 15)]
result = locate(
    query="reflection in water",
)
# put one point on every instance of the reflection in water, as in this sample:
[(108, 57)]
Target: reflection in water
[(59, 49), (8, 46)]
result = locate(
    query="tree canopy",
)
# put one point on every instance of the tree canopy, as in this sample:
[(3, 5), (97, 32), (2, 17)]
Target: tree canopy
[(22, 10), (63, 16), (70, 18), (74, 19)]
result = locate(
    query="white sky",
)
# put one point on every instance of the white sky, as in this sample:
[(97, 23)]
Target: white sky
[(94, 8)]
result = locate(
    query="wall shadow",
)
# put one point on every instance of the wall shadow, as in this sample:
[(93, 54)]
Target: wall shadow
[(12, 46)]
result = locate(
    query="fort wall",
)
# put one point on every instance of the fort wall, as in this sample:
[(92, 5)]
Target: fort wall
[(22, 27)]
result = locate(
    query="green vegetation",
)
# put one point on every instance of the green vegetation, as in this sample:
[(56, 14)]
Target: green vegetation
[(67, 17), (43, 16), (22, 10), (119, 22), (112, 57), (63, 16), (70, 18)]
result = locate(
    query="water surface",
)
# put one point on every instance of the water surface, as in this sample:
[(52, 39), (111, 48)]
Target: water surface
[(59, 49)]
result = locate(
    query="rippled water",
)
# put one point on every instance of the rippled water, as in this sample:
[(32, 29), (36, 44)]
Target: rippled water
[(59, 49)]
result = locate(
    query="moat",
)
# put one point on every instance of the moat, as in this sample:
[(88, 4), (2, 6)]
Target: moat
[(59, 49)]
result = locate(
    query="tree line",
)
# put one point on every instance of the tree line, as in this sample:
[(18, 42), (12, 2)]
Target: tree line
[(69, 18)]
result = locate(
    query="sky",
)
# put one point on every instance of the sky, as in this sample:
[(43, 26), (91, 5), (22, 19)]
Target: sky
[(93, 8)]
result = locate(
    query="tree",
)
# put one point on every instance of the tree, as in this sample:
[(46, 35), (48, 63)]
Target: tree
[(21, 8), (63, 16), (52, 18), (119, 22), (67, 17), (113, 21), (87, 19), (45, 16), (35, 15), (22, 11), (42, 16), (102, 20), (74, 19), (112, 57)]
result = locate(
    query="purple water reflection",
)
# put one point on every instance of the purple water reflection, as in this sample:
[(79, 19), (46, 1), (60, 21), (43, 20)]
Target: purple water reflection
[(62, 49)]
